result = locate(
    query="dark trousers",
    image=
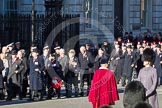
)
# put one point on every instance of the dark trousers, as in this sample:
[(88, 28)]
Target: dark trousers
[(13, 90), (1, 94), (24, 87), (124, 80), (84, 77), (44, 82), (50, 87), (74, 81), (58, 92)]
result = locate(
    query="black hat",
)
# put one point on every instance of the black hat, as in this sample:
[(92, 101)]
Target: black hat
[(149, 55), (158, 46), (124, 46), (87, 44), (13, 52), (104, 61), (129, 46), (141, 47), (126, 33), (34, 50), (53, 55)]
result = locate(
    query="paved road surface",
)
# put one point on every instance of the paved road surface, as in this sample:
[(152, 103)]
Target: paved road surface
[(80, 102)]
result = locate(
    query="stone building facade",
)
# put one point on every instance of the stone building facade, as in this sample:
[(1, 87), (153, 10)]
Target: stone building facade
[(102, 20), (115, 16)]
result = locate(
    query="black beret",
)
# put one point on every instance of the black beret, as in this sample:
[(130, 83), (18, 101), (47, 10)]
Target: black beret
[(129, 46), (103, 61)]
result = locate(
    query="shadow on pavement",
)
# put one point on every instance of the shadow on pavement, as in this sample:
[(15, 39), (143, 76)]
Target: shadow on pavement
[(3, 102)]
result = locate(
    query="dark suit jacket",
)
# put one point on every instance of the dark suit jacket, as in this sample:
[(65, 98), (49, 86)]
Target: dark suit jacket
[(85, 62)]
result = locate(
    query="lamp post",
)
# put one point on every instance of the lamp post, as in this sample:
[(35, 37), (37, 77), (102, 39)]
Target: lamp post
[(33, 21)]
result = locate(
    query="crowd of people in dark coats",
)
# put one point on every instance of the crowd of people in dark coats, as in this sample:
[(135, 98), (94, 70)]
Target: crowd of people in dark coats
[(44, 74), (126, 59), (38, 76)]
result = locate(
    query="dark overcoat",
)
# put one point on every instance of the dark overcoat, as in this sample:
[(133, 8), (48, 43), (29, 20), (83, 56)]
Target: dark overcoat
[(85, 62), (35, 77), (128, 61), (157, 64), (113, 62), (120, 67)]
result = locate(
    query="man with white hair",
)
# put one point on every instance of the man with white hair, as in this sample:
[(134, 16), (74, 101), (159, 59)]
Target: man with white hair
[(85, 62)]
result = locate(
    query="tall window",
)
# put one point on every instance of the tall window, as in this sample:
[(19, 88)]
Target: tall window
[(143, 12), (91, 13), (11, 7), (88, 12), (146, 13)]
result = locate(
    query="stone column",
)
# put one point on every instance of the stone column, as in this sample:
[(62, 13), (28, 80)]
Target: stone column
[(126, 15)]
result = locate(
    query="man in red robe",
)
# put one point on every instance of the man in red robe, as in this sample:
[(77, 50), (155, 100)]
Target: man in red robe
[(103, 90)]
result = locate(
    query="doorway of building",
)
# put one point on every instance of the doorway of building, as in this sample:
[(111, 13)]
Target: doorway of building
[(118, 18)]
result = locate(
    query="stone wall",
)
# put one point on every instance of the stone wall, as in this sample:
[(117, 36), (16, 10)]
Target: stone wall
[(101, 19), (134, 15), (157, 15)]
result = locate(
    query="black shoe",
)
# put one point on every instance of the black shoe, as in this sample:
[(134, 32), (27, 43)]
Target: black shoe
[(8, 99), (81, 94), (30, 99), (48, 98), (68, 96), (76, 95), (2, 98), (20, 98)]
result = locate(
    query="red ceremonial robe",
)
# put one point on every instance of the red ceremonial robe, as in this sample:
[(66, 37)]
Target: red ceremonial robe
[(103, 89)]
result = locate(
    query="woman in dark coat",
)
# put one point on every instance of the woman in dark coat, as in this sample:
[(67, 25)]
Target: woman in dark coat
[(55, 74), (35, 75)]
